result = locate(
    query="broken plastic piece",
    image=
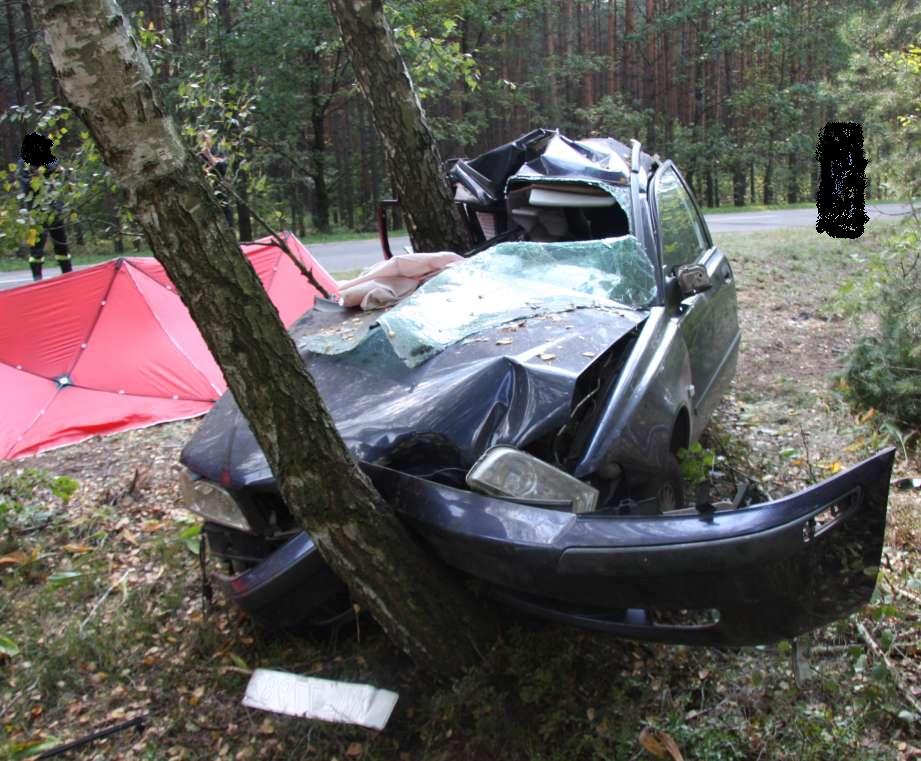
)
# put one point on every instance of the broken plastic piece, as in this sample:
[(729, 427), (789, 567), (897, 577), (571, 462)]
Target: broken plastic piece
[(907, 483), (323, 699)]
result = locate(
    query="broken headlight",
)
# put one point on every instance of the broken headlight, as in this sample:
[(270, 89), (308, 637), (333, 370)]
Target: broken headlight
[(509, 472), (211, 502)]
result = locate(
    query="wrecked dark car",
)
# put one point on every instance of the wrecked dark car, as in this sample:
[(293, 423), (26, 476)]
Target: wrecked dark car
[(523, 411)]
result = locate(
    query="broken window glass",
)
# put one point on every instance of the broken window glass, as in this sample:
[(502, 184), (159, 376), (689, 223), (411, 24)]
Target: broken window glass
[(504, 283)]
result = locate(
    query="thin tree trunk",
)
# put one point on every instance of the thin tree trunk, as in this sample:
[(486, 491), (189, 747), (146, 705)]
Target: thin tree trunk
[(612, 46), (586, 47), (792, 178), (14, 52), (345, 190), (629, 85), (433, 220), (767, 193), (550, 61), (108, 81), (365, 167), (320, 213), (176, 24), (244, 218), (34, 72)]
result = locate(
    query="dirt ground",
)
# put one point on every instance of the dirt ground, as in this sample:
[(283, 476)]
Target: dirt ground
[(128, 633)]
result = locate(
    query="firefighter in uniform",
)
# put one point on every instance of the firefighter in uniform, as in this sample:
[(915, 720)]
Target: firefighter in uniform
[(53, 222)]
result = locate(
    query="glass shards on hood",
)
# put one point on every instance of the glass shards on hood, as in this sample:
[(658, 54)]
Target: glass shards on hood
[(504, 283)]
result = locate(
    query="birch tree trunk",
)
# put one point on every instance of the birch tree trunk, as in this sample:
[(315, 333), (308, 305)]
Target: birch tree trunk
[(432, 220), (107, 79)]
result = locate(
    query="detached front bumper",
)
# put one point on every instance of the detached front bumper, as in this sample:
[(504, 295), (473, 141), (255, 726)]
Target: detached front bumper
[(771, 571), (286, 588)]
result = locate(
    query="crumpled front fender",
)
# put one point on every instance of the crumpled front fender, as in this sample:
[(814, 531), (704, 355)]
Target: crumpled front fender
[(772, 571)]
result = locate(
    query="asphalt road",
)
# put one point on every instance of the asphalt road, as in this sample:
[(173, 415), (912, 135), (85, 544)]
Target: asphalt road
[(358, 254)]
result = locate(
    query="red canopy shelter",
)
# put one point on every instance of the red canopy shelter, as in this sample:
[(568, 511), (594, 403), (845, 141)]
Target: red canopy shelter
[(112, 347)]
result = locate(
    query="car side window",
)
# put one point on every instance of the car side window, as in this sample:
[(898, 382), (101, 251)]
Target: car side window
[(681, 234)]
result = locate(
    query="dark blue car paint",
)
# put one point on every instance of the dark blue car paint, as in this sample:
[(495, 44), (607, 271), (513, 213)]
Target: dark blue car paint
[(767, 569), (600, 571), (473, 396)]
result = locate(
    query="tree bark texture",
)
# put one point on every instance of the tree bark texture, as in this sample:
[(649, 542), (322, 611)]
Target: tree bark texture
[(432, 219), (107, 79), (14, 52), (35, 75)]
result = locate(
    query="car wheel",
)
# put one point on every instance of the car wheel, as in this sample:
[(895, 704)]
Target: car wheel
[(335, 612), (670, 491)]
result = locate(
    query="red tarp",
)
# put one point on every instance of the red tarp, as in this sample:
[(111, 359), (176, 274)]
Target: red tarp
[(111, 347)]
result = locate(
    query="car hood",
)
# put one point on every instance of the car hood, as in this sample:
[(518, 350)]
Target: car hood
[(506, 384)]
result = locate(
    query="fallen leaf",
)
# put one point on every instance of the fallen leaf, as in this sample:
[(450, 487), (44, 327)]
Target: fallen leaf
[(61, 578), (660, 744), (8, 647), (548, 357), (354, 750), (197, 694), (14, 558), (77, 549)]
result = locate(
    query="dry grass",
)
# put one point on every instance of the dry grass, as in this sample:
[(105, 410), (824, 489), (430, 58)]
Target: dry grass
[(129, 634)]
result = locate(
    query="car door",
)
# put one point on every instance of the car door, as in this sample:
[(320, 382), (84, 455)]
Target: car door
[(709, 320)]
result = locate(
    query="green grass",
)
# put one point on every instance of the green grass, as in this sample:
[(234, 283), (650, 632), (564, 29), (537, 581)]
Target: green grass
[(95, 253), (730, 209), (544, 692), (15, 264)]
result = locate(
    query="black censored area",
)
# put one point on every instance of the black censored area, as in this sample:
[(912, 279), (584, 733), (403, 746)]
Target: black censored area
[(840, 200)]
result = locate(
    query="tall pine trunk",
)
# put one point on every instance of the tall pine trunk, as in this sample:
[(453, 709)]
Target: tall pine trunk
[(318, 171), (12, 38), (38, 92), (108, 81)]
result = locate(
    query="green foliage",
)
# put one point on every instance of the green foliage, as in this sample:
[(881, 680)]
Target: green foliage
[(8, 647), (82, 186), (611, 115), (433, 56), (881, 88), (883, 371), (27, 498), (696, 463), (190, 536)]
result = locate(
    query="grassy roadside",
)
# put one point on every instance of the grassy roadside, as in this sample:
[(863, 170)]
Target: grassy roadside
[(102, 252), (729, 209), (93, 254), (102, 600)]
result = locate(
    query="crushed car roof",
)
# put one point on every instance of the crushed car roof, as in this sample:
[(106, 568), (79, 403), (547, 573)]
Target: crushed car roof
[(545, 155)]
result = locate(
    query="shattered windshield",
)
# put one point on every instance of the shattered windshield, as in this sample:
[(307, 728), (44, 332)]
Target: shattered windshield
[(505, 283)]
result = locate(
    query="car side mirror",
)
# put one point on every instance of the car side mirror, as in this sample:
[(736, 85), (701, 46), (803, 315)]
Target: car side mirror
[(692, 279)]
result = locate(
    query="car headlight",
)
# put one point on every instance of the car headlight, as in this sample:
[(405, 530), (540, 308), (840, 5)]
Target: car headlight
[(211, 502), (509, 472)]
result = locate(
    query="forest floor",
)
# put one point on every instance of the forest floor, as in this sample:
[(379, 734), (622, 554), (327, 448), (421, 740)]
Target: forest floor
[(102, 617)]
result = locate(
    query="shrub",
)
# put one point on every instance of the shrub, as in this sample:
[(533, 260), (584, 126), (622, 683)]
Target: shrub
[(883, 370)]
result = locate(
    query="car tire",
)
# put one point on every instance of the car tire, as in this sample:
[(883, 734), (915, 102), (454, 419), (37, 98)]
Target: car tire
[(669, 492)]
